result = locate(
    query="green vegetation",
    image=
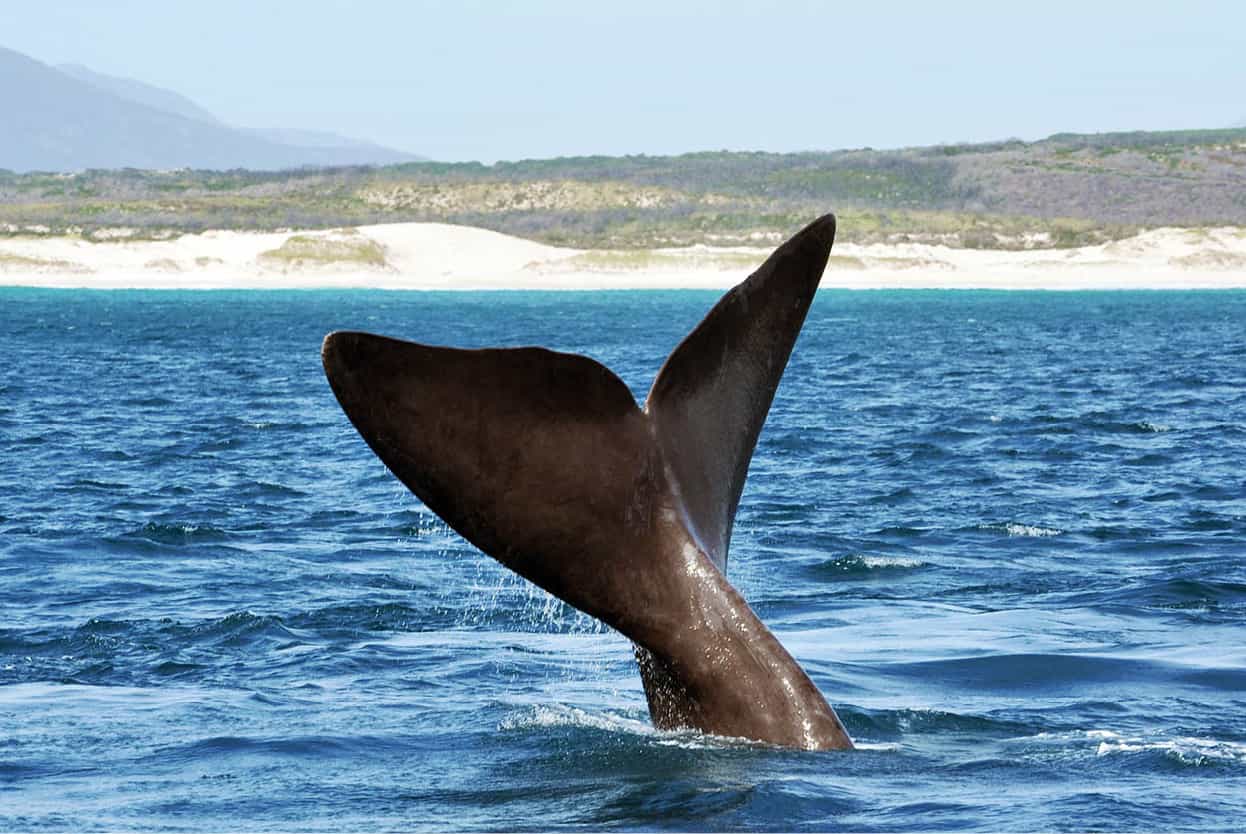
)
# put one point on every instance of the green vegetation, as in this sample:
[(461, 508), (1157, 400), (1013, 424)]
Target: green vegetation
[(1151, 138), (629, 259), (351, 249), (1067, 190)]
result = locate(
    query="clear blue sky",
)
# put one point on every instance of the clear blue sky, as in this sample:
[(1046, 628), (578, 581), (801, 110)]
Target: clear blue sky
[(508, 80)]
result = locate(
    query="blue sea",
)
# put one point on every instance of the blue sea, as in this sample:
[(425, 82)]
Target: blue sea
[(1005, 533)]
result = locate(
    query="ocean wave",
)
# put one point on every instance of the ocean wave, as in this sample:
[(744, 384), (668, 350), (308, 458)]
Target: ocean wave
[(558, 715), (562, 716), (901, 532), (241, 628), (176, 534), (95, 485), (1092, 423), (128, 640), (148, 402), (293, 614), (1147, 427), (876, 746), (1196, 596), (1186, 750), (372, 617), (1028, 671), (862, 565), (1013, 528), (295, 746), (898, 496), (1150, 459), (1179, 750), (1118, 532), (174, 669), (893, 723), (267, 489)]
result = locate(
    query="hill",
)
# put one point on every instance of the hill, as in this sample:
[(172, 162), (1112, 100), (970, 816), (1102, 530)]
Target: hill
[(330, 149), (139, 92), (1066, 190), (72, 119)]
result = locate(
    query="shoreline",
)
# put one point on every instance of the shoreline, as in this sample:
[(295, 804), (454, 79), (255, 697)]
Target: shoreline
[(434, 256)]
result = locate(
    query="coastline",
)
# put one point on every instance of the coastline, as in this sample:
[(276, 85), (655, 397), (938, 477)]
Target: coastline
[(434, 256)]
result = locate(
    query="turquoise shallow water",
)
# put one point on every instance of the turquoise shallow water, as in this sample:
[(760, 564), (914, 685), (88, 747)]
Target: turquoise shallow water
[(1004, 532)]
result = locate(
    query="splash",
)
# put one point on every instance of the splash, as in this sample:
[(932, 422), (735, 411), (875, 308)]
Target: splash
[(544, 717), (1189, 750)]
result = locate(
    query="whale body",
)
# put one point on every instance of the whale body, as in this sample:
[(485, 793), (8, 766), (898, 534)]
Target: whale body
[(545, 462)]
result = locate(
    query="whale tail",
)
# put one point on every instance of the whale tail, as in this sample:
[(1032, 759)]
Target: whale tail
[(544, 461)]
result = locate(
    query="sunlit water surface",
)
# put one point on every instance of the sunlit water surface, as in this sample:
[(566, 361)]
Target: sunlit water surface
[(1004, 533)]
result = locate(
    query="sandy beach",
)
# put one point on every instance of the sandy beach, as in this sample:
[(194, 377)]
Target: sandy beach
[(433, 256)]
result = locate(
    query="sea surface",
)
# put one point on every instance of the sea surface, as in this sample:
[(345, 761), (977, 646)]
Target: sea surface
[(1005, 533)]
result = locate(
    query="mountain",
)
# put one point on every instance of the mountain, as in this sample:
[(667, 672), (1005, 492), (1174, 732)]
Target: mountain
[(76, 119), (360, 151), (154, 97), (334, 148)]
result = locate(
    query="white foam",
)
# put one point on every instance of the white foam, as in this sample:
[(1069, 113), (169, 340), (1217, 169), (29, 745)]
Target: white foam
[(890, 562), (564, 716), (879, 746), (1014, 529), (1188, 749), (1185, 749), (1154, 427), (559, 715)]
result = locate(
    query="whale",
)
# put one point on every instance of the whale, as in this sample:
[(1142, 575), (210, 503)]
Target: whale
[(545, 462)]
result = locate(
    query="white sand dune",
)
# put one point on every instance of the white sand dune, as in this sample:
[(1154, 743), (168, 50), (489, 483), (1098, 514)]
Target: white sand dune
[(438, 256)]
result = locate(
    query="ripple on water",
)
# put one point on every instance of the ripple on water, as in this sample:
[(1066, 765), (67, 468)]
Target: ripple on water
[(1002, 531), (891, 724), (177, 534)]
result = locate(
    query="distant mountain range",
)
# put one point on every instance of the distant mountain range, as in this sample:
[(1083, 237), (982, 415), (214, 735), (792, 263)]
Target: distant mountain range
[(70, 118)]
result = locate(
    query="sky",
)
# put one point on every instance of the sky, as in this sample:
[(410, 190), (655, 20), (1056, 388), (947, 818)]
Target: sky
[(475, 80)]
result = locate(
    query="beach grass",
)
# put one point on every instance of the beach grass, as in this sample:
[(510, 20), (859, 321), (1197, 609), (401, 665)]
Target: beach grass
[(13, 262), (347, 249)]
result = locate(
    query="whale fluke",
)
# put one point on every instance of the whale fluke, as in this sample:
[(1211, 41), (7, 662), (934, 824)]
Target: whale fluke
[(544, 461), (711, 397)]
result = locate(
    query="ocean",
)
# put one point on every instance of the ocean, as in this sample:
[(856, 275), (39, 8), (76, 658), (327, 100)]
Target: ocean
[(1005, 534)]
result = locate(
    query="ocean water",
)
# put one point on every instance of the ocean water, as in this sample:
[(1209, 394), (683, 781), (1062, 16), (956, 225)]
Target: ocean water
[(1005, 533)]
